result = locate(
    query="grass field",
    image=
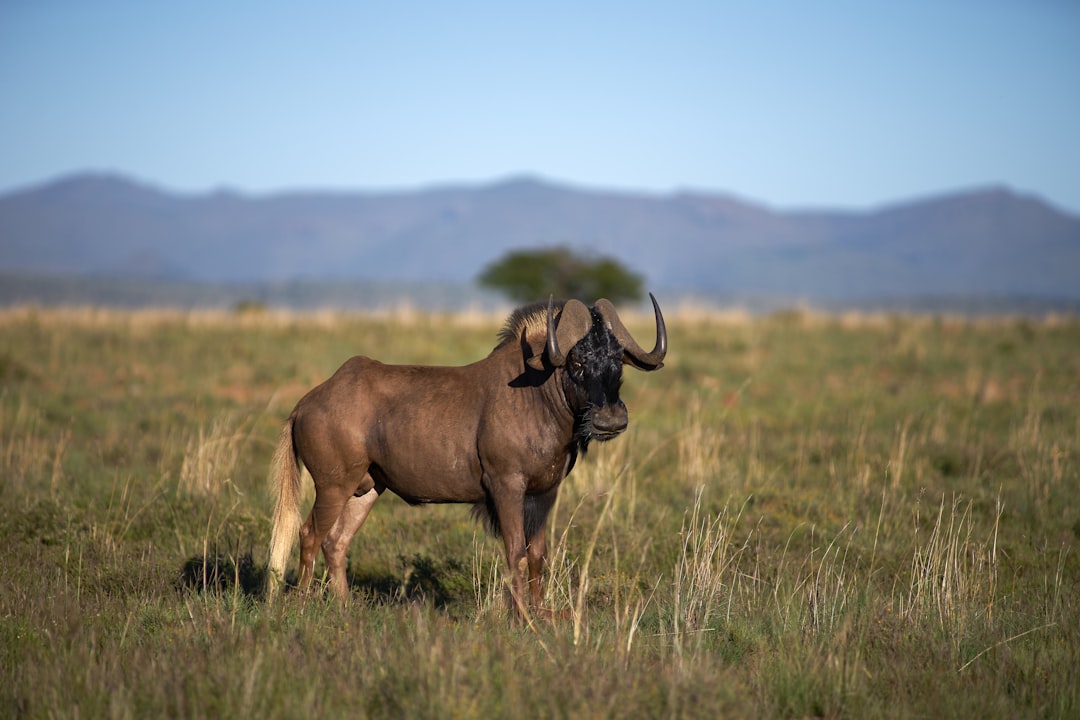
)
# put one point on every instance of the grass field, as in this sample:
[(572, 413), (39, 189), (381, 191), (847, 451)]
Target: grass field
[(863, 516)]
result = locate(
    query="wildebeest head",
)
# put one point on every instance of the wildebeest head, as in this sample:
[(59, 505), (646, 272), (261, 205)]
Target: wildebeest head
[(592, 345)]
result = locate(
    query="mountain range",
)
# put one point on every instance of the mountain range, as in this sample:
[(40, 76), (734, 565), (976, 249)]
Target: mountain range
[(991, 242)]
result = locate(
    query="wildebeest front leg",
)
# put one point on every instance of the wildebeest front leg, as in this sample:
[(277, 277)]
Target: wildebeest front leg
[(537, 508), (508, 497), (537, 554)]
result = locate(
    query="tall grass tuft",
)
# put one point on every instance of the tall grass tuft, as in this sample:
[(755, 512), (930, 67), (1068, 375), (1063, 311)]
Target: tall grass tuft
[(954, 574), (211, 455), (707, 573), (30, 454)]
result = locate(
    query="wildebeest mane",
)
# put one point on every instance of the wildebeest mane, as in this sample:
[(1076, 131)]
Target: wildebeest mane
[(530, 319)]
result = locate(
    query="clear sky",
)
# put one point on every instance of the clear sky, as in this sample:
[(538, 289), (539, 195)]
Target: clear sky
[(794, 104)]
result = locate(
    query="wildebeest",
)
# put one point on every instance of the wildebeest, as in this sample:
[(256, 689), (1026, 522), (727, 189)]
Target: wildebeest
[(500, 433)]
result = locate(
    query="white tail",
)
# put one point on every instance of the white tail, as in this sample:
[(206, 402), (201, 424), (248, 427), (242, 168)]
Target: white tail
[(284, 482)]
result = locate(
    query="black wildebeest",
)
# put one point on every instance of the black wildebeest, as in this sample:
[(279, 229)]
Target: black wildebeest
[(500, 433)]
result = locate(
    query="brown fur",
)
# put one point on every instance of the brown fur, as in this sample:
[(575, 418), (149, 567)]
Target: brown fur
[(498, 433)]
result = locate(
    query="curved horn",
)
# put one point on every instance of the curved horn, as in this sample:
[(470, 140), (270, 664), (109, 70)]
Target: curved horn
[(634, 354), (574, 322)]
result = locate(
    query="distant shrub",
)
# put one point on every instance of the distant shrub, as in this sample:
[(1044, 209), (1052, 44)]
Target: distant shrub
[(250, 307), (527, 275)]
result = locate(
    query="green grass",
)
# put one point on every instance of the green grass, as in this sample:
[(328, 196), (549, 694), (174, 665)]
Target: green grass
[(810, 516)]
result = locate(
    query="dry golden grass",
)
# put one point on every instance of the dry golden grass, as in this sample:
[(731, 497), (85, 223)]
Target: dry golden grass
[(811, 515)]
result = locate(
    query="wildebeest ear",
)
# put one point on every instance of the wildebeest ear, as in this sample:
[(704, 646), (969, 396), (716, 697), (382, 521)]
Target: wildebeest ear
[(574, 323), (563, 334)]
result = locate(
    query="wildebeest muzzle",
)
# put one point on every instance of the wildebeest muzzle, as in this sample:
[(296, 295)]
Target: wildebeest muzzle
[(608, 421)]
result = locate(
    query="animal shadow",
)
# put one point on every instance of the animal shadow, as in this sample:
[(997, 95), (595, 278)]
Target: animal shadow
[(423, 579), (443, 583), (223, 572)]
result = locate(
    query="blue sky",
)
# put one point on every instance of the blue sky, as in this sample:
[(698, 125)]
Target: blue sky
[(793, 104)]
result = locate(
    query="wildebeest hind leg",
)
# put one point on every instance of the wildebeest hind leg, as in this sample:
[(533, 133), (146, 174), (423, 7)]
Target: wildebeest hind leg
[(330, 499), (336, 544)]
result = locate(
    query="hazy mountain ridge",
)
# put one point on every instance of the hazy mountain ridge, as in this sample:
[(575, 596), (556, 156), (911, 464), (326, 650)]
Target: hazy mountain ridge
[(986, 242)]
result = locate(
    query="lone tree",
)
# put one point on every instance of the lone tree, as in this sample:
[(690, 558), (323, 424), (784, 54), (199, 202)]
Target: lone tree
[(527, 275)]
